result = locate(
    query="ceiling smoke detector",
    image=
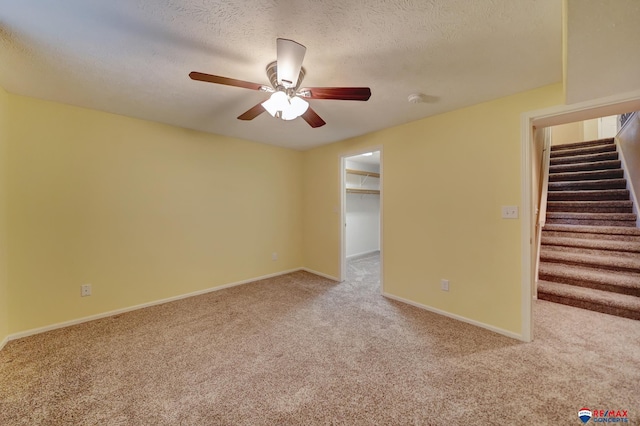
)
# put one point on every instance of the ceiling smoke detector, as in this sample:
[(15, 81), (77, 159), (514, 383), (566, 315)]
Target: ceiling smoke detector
[(416, 98)]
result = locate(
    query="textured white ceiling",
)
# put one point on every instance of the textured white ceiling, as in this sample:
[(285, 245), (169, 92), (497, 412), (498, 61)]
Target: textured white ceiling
[(133, 57)]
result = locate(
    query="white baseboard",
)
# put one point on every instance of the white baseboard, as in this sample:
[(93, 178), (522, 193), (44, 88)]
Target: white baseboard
[(363, 254), (456, 317), (4, 342), (63, 324), (311, 271)]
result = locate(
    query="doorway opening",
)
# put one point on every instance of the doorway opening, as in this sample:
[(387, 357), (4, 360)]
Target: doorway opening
[(534, 126), (361, 177), (587, 216)]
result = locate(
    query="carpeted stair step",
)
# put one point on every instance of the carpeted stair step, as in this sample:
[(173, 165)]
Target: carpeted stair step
[(596, 300), (591, 195), (611, 206), (618, 233), (578, 167), (605, 280), (593, 222), (586, 185), (613, 263), (583, 150), (587, 175), (594, 219), (595, 244), (575, 145), (591, 251), (589, 158)]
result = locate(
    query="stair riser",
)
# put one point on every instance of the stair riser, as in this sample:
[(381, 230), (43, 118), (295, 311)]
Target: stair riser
[(621, 206), (591, 216), (575, 145), (570, 209), (631, 253), (583, 304), (587, 222), (594, 244), (589, 284), (569, 146), (585, 167), (584, 235), (607, 156), (614, 203), (594, 230), (617, 194), (580, 176), (590, 263), (588, 185), (583, 151)]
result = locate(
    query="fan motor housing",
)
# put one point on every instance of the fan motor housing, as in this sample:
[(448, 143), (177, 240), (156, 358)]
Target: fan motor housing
[(272, 74)]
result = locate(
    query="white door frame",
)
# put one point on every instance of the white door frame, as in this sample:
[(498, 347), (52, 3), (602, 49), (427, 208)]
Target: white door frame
[(611, 105), (343, 211)]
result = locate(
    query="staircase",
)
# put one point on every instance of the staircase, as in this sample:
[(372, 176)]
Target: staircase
[(590, 245)]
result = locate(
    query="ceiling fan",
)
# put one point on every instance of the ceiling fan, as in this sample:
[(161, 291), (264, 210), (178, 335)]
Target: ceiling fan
[(287, 100)]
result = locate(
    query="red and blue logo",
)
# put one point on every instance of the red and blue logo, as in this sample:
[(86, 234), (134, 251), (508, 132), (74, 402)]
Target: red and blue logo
[(603, 416), (585, 414)]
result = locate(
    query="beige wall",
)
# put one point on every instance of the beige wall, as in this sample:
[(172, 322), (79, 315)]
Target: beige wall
[(445, 180), (578, 131), (567, 133), (601, 38), (4, 290), (140, 210), (145, 211), (590, 129)]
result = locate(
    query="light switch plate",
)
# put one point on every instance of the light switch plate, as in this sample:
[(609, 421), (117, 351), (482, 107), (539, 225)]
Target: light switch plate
[(509, 212), (444, 285)]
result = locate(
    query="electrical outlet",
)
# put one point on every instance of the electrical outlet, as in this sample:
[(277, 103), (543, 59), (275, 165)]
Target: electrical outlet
[(444, 285), (274, 256), (85, 290), (509, 212)]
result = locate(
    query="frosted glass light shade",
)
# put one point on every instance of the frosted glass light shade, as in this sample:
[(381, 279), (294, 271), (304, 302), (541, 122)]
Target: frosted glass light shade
[(297, 107), (277, 102), (288, 108)]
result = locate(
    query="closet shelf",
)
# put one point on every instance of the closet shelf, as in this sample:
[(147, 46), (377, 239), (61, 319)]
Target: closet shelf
[(362, 191), (362, 173)]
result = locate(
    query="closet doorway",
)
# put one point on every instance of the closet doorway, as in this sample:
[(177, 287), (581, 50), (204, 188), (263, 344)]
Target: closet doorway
[(362, 218)]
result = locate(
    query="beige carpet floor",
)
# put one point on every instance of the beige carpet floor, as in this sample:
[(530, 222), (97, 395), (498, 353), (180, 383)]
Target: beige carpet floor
[(303, 350)]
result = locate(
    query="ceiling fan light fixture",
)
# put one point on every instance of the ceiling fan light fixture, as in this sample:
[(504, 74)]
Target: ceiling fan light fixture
[(287, 101), (281, 106)]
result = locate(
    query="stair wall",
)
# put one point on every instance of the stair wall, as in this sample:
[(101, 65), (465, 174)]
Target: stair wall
[(629, 147)]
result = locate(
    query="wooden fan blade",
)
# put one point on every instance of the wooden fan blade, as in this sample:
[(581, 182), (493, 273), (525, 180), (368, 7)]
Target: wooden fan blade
[(252, 113), (311, 117), (290, 56), (224, 80), (341, 93)]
